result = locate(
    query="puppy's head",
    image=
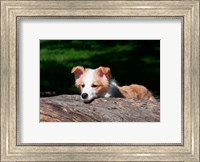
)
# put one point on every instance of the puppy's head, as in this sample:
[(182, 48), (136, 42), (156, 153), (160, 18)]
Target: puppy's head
[(93, 83)]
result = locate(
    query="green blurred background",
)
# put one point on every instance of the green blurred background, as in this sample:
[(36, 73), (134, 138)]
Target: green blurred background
[(131, 61)]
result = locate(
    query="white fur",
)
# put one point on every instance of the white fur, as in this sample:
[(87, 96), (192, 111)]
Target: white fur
[(112, 89), (89, 78)]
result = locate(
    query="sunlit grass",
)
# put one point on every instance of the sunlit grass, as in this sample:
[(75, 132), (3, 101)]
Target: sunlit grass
[(63, 55)]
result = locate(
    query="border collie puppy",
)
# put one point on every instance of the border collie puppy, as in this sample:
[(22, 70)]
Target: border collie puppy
[(95, 83)]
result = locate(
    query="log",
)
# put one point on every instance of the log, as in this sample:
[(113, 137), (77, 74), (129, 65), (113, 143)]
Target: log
[(69, 108)]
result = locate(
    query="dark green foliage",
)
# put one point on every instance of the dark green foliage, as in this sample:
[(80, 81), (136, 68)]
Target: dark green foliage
[(131, 61)]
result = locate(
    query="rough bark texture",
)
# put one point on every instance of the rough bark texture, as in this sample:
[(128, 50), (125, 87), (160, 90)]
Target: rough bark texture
[(69, 108)]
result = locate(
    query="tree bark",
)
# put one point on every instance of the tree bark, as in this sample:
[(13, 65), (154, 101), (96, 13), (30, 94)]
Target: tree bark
[(69, 108)]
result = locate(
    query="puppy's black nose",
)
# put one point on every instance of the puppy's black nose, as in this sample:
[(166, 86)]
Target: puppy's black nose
[(84, 95)]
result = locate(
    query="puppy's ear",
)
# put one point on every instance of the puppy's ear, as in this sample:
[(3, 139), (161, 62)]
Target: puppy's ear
[(104, 72), (78, 71)]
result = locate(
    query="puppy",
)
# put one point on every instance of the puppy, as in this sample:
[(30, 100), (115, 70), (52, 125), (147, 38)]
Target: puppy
[(95, 83)]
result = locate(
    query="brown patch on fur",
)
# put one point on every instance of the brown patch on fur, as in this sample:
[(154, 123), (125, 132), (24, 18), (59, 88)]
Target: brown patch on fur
[(103, 71), (136, 91), (78, 71), (102, 84), (79, 81)]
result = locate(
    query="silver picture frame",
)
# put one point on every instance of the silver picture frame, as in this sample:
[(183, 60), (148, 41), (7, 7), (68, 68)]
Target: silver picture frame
[(11, 11)]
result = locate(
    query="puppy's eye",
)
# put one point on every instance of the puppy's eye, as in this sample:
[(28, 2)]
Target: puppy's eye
[(94, 85), (82, 85)]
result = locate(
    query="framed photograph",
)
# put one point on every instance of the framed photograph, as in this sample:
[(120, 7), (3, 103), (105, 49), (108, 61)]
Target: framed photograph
[(64, 61), (100, 80)]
